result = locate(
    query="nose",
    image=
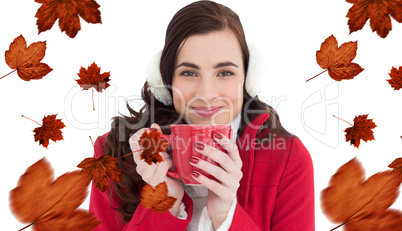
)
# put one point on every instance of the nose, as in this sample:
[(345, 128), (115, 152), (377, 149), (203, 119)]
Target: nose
[(207, 89)]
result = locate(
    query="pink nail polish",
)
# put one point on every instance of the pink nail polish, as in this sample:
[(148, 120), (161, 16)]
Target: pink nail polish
[(153, 129)]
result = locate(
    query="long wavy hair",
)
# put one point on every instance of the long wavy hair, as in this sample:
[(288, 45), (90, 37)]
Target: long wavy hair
[(200, 17)]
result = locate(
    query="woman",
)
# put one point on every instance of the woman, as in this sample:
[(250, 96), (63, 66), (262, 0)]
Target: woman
[(205, 76)]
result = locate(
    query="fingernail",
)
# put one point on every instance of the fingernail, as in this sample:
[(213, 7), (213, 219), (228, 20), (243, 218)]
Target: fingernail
[(194, 160), (199, 146), (153, 129), (217, 135), (195, 174)]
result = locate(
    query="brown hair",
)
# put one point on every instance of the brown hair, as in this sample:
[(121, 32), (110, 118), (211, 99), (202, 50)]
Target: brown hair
[(200, 17)]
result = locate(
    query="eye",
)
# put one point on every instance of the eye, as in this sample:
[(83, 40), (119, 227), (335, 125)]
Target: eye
[(188, 73), (226, 73)]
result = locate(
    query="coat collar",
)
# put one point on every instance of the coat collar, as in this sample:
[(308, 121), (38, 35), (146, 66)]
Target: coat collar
[(246, 147)]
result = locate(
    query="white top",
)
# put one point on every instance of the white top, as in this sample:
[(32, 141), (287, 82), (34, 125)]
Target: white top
[(199, 194)]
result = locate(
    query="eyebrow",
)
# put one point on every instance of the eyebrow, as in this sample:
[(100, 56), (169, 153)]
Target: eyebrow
[(219, 65)]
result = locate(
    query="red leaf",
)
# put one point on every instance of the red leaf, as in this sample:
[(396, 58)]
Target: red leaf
[(152, 145), (397, 166), (26, 61), (157, 198), (338, 61), (50, 129), (67, 12), (361, 130), (92, 77), (42, 201), (353, 201), (396, 78), (100, 169), (379, 13)]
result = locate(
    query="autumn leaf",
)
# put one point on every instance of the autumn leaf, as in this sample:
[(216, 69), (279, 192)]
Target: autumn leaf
[(152, 145), (396, 78), (67, 11), (351, 200), (390, 220), (26, 61), (360, 130), (92, 77), (338, 61), (157, 198), (379, 13), (50, 129), (46, 203), (100, 169), (397, 166)]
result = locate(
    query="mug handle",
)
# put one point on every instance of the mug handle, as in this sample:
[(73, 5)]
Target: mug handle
[(169, 173)]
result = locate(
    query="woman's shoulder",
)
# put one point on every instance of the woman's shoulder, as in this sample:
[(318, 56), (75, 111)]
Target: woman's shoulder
[(99, 145)]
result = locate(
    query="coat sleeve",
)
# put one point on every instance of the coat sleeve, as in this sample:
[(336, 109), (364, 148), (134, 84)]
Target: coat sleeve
[(294, 207), (143, 218)]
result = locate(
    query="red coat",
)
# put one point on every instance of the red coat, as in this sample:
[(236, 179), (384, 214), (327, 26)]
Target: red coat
[(276, 192)]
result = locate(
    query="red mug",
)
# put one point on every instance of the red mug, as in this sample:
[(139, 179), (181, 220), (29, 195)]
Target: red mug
[(182, 140)]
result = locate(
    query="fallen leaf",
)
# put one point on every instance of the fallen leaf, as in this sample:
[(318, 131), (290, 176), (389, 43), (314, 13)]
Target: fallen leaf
[(338, 61), (379, 13), (40, 200), (26, 61), (397, 166), (92, 77), (100, 169), (390, 220), (396, 78), (361, 130), (157, 198), (350, 200), (50, 129), (67, 12), (152, 145)]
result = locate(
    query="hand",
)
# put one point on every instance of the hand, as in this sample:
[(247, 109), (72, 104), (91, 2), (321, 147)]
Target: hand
[(155, 174), (222, 192)]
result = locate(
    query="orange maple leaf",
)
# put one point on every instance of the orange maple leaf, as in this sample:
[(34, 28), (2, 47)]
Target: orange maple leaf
[(92, 77), (50, 129), (397, 166), (361, 130), (26, 61), (100, 169), (338, 61), (152, 145), (378, 12), (67, 11), (46, 203), (157, 198), (351, 201), (396, 78)]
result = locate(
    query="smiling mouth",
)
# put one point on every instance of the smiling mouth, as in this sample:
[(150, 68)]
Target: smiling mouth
[(206, 111)]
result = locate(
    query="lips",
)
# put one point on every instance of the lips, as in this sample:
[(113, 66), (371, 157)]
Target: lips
[(206, 111)]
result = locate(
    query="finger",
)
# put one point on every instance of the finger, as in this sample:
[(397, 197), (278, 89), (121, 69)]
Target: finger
[(229, 180), (146, 171), (220, 190), (158, 128), (216, 155), (230, 146)]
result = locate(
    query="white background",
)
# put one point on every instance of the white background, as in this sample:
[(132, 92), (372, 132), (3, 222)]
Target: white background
[(289, 34)]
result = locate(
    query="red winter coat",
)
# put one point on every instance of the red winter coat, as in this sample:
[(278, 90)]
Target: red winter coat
[(276, 192)]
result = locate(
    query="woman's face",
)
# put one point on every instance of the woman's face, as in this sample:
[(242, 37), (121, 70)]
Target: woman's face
[(208, 78)]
